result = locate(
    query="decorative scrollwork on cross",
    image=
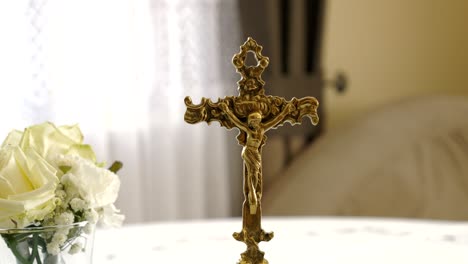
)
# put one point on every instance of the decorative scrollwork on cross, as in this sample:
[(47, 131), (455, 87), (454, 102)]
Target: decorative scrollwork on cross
[(251, 82)]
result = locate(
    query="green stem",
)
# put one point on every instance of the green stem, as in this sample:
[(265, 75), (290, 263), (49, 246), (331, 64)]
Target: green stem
[(35, 251), (116, 166), (19, 257)]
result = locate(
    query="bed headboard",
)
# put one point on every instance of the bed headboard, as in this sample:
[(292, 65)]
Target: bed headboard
[(291, 33)]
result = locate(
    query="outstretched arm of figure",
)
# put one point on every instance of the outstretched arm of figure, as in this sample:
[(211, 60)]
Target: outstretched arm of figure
[(280, 117), (233, 117)]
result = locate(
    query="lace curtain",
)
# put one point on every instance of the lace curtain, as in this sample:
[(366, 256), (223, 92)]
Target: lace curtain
[(121, 70)]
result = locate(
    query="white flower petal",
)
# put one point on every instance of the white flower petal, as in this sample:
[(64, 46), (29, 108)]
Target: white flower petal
[(97, 186), (13, 138), (27, 187), (110, 216)]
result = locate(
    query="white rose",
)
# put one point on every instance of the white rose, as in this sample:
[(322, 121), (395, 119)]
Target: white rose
[(27, 187), (49, 141), (97, 186)]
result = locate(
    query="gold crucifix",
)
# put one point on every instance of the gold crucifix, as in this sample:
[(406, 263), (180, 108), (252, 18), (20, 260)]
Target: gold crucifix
[(253, 113)]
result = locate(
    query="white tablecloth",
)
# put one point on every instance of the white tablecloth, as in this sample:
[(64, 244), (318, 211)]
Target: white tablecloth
[(297, 240)]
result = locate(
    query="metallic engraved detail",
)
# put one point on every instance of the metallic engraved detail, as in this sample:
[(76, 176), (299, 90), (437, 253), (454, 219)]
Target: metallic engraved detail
[(251, 76), (253, 113)]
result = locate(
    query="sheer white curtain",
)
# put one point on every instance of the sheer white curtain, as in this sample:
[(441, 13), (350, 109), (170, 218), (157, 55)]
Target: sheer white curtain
[(121, 69)]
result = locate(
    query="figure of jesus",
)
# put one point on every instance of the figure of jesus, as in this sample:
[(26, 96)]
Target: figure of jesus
[(251, 153)]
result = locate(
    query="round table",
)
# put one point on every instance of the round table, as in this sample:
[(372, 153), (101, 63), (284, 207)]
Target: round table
[(297, 240)]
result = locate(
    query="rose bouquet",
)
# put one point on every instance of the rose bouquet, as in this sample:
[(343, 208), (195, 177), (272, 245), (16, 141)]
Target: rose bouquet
[(52, 186)]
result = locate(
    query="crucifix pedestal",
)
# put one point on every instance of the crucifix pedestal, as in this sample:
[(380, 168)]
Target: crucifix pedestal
[(253, 113)]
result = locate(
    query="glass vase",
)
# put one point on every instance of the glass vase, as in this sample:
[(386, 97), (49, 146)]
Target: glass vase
[(66, 244)]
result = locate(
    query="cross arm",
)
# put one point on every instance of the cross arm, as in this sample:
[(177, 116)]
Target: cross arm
[(206, 111), (303, 107), (287, 108), (232, 117)]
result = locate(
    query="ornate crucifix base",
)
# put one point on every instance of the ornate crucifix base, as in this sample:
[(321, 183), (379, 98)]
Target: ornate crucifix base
[(252, 234), (253, 113)]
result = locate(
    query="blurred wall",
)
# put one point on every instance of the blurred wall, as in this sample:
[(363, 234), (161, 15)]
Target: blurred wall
[(393, 49)]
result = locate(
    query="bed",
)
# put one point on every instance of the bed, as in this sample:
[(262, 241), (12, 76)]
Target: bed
[(408, 159)]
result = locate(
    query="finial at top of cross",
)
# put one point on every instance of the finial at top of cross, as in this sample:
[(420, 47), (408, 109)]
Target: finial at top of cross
[(251, 76)]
